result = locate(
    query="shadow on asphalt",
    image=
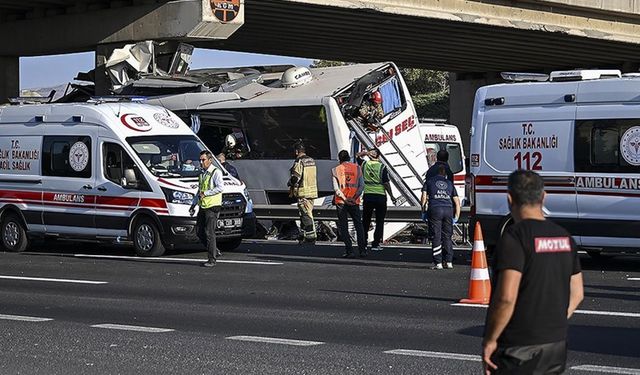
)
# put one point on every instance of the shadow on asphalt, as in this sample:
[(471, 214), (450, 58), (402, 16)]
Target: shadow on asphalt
[(391, 295), (604, 340)]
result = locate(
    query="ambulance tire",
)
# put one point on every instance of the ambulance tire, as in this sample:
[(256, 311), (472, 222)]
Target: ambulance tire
[(229, 245), (147, 241), (14, 234)]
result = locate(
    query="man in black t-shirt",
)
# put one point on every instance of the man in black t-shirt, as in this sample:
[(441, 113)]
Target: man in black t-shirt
[(537, 287), (442, 160)]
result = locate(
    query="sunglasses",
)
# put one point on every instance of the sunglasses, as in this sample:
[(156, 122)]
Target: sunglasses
[(204, 159)]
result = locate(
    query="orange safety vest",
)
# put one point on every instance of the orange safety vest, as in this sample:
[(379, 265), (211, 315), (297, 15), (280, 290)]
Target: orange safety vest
[(347, 175)]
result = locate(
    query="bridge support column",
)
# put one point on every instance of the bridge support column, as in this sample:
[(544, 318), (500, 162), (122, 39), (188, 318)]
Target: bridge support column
[(9, 78), (463, 87)]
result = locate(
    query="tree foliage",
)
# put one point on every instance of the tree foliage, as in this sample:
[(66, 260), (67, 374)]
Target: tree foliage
[(429, 88)]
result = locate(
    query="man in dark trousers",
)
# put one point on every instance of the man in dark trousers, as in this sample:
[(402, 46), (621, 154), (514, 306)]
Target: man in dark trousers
[(537, 286), (209, 198), (348, 185), (376, 188), (440, 200), (442, 159)]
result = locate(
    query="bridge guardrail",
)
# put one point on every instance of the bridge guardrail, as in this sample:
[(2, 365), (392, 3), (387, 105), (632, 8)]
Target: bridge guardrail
[(328, 213)]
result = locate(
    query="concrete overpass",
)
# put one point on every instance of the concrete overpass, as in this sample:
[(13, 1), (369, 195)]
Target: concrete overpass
[(472, 38)]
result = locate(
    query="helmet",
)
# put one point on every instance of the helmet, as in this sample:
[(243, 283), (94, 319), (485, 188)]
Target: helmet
[(376, 97)]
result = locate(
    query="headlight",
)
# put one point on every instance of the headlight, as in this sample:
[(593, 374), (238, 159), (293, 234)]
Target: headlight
[(249, 208), (178, 197)]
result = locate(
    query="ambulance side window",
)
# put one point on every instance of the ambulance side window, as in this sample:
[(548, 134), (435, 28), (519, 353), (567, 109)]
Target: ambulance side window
[(599, 146), (67, 156), (115, 160)]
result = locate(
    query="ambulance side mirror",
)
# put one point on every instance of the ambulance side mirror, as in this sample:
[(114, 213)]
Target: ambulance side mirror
[(129, 181)]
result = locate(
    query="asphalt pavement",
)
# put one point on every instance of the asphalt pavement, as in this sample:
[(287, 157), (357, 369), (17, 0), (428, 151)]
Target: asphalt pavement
[(273, 307)]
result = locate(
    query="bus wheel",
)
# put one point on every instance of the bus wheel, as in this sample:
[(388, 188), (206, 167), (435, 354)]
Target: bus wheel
[(146, 239), (14, 235), (229, 245)]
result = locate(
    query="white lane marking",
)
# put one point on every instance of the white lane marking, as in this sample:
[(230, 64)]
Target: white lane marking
[(608, 313), (132, 328), (142, 259), (24, 318), (607, 369), (273, 340), (633, 278), (585, 312), (52, 280), (422, 353)]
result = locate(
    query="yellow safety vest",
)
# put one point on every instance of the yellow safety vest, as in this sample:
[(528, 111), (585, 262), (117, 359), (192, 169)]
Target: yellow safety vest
[(204, 183), (373, 178)]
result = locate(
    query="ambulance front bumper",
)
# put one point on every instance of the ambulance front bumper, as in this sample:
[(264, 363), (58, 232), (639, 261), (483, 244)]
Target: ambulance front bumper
[(177, 230)]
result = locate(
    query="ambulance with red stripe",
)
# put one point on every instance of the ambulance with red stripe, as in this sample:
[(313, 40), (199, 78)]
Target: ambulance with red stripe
[(580, 130), (109, 172), (438, 136)]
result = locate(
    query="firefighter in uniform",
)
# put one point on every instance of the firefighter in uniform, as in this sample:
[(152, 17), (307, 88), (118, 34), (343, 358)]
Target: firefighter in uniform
[(209, 198), (303, 187), (348, 184), (371, 111)]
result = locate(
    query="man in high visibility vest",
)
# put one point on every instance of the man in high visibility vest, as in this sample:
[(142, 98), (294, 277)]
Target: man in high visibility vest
[(304, 187), (376, 187), (348, 184), (209, 198)]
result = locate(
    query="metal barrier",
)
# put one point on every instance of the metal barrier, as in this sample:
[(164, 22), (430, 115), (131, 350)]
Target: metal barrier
[(328, 213)]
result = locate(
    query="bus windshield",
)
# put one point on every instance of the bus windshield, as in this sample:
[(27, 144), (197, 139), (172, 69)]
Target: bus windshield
[(169, 155)]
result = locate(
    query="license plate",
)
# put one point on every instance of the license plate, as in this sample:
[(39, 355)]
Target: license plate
[(230, 223)]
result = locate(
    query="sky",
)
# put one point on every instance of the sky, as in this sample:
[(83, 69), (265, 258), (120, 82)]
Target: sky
[(49, 71)]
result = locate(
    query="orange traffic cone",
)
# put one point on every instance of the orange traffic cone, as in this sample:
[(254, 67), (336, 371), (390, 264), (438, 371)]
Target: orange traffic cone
[(479, 284)]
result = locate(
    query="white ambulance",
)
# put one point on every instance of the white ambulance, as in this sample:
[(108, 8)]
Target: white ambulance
[(108, 172), (581, 131), (438, 136)]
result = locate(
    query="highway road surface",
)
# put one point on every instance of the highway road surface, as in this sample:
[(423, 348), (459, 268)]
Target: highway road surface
[(273, 307)]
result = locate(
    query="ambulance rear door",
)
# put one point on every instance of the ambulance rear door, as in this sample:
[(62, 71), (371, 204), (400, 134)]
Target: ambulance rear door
[(532, 129), (68, 170), (607, 163)]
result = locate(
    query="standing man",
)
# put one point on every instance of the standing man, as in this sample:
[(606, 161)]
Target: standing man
[(227, 166), (348, 184), (209, 198), (376, 188), (538, 286), (303, 186), (442, 159), (440, 200)]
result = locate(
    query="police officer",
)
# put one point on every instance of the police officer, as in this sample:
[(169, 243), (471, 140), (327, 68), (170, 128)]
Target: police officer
[(304, 188), (348, 184), (209, 198), (438, 198), (376, 187)]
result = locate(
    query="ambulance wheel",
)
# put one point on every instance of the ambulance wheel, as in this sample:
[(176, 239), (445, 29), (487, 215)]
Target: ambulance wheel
[(229, 245), (14, 235), (146, 238)]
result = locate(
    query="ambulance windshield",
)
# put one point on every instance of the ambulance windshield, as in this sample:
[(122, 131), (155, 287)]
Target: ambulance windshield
[(169, 155)]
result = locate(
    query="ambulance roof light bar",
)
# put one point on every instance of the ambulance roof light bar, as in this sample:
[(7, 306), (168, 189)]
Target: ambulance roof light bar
[(524, 77), (584, 74), (117, 99)]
